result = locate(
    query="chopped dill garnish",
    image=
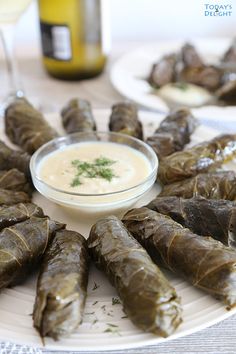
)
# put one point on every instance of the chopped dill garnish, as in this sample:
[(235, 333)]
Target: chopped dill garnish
[(104, 161), (89, 313), (76, 182), (112, 325), (181, 85), (115, 301), (124, 316), (107, 174), (96, 286), (95, 302), (99, 168), (108, 330), (112, 329)]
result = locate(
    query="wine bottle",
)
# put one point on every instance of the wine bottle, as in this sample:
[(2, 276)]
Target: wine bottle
[(75, 37)]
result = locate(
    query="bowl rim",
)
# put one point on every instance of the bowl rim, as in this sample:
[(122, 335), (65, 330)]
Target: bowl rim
[(66, 137)]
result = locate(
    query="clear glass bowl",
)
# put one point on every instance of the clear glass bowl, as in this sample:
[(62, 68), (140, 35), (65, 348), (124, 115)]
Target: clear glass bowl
[(94, 203)]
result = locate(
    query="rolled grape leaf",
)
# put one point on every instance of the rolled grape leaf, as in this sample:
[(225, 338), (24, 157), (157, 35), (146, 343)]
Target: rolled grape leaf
[(201, 158), (15, 180), (207, 76), (162, 143), (217, 185), (62, 286), (191, 69), (163, 72), (10, 158), (196, 72), (215, 218), (22, 246), (10, 215), (124, 119), (148, 298), (227, 92), (203, 261), (190, 56), (26, 127), (230, 54), (173, 133), (77, 116), (8, 197)]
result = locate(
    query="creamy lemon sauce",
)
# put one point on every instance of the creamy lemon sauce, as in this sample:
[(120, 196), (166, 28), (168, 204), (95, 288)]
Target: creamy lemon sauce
[(191, 96), (129, 167)]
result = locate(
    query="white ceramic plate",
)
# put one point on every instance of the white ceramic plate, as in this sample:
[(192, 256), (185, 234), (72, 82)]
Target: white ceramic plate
[(16, 304), (128, 73)]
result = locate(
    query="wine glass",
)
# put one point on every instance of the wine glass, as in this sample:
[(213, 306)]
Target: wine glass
[(10, 12)]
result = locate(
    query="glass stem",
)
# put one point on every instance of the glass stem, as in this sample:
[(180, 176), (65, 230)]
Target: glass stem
[(7, 37)]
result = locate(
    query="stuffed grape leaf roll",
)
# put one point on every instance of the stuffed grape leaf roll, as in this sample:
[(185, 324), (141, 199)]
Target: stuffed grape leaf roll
[(203, 261), (9, 197), (163, 72), (217, 185), (148, 298), (15, 180), (195, 71), (22, 246), (10, 215), (77, 116), (207, 76), (10, 158), (211, 217), (191, 57), (173, 133), (227, 92), (230, 54), (26, 127), (62, 286), (124, 119), (201, 158)]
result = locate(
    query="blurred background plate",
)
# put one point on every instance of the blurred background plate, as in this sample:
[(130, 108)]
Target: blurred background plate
[(129, 72)]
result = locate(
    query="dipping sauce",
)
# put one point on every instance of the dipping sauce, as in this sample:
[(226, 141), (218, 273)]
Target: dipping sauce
[(94, 168), (185, 94)]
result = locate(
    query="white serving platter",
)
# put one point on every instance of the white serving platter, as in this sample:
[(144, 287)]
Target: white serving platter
[(16, 304)]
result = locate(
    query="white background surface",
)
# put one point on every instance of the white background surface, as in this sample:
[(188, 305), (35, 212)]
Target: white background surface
[(149, 20)]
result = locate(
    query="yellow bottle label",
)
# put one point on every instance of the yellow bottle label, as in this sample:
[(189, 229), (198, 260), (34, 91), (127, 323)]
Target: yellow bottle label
[(56, 41)]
